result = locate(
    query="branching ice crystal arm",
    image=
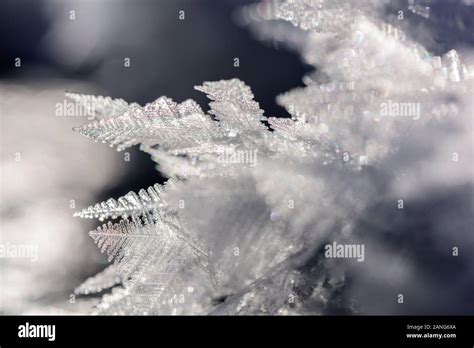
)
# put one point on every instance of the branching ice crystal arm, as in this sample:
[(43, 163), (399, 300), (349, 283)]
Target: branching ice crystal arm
[(106, 279), (234, 106), (101, 107), (131, 203), (162, 121), (129, 242), (360, 62), (148, 254)]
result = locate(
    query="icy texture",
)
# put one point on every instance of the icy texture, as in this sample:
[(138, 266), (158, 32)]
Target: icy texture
[(238, 234), (150, 256), (131, 203), (210, 145), (357, 72), (104, 280), (184, 122), (101, 107)]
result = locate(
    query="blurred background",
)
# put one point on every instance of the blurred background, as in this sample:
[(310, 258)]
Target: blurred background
[(48, 47)]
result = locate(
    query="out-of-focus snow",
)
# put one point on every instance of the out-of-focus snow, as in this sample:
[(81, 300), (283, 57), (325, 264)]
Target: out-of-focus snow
[(43, 167)]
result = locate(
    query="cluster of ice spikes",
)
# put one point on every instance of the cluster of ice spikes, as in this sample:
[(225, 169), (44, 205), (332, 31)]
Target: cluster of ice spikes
[(362, 64)]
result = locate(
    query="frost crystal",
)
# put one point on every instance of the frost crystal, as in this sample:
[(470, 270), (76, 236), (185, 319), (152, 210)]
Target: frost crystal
[(101, 107), (251, 198), (104, 280), (130, 204)]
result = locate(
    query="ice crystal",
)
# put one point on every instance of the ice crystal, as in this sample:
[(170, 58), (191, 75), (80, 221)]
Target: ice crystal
[(269, 188), (150, 254), (99, 106), (131, 203), (104, 280)]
